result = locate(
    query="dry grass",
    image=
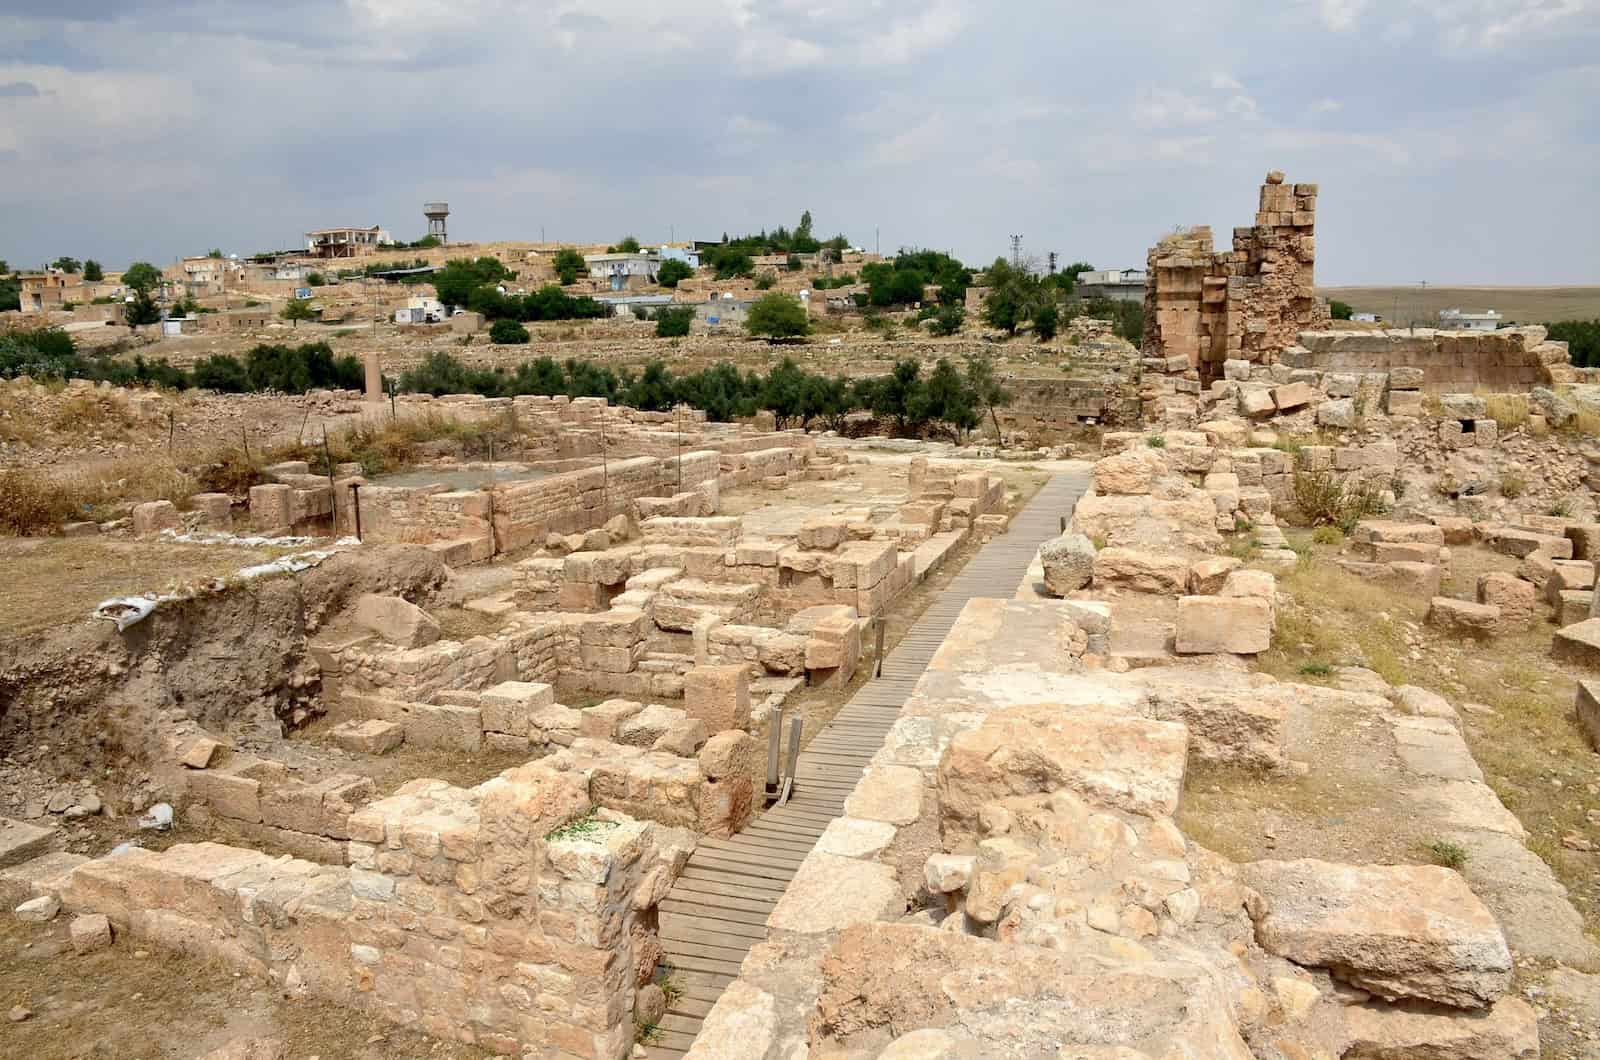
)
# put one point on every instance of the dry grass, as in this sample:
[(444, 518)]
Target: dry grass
[(1509, 411), (50, 581)]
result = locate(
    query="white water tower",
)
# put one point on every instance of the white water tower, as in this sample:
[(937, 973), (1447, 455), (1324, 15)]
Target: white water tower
[(436, 212)]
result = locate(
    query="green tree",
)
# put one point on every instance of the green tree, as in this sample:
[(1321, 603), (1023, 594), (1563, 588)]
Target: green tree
[(946, 397), (987, 392), (948, 320), (628, 245), (508, 333), (316, 279), (223, 373), (1046, 319), (1340, 310), (92, 272), (214, 252), (66, 264), (1582, 338), (765, 281), (778, 316), (454, 283), (142, 309), (672, 322), (141, 276), (298, 309), (793, 263), (569, 265), (673, 272)]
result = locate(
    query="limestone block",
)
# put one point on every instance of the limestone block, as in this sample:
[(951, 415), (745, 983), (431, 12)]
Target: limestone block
[(1207, 576), (683, 738), (396, 620), (1405, 378), (1522, 543), (729, 755), (1585, 538), (1256, 402), (1132, 764), (719, 696), (1240, 625), (508, 706), (1397, 931), (1579, 644), (90, 932), (1145, 572), (1588, 709), (1463, 618), (152, 517), (1068, 562), (1508, 1030), (892, 794), (370, 737), (1292, 396), (216, 509), (1131, 472), (21, 842), (601, 720), (1339, 414)]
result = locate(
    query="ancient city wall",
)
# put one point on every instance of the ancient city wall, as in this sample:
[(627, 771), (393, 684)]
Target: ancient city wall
[(1509, 360)]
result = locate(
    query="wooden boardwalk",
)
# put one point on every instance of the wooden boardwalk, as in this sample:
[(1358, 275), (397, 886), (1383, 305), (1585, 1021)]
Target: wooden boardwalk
[(718, 908)]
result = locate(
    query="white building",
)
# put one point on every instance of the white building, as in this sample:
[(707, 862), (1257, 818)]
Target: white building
[(1122, 285), (625, 271), (1456, 320)]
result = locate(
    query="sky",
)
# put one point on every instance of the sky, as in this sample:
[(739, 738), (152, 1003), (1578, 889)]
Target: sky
[(1455, 141)]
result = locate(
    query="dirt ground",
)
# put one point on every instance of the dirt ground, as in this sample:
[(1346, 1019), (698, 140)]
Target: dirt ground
[(55, 580), (126, 1003)]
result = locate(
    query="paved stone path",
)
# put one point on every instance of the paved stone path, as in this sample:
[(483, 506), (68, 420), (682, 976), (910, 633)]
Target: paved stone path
[(718, 908)]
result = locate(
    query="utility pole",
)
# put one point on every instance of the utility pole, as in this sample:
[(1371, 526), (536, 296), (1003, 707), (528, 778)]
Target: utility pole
[(1016, 252), (876, 247), (1052, 257)]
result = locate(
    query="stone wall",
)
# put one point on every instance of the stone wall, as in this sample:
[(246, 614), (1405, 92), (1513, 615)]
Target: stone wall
[(1208, 306), (510, 915), (1510, 360)]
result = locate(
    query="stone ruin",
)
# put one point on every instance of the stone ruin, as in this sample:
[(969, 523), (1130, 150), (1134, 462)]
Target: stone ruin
[(1011, 878), (1205, 306), (637, 659)]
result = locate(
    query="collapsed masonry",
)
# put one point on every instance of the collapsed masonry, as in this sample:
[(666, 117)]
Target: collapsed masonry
[(1207, 306)]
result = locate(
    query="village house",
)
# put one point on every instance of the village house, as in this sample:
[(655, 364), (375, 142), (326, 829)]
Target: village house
[(49, 289), (346, 242)]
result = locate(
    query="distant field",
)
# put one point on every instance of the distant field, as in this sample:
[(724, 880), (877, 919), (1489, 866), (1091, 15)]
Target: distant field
[(1526, 305)]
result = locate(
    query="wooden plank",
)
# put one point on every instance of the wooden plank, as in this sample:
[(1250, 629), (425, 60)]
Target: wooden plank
[(708, 950), (711, 860), (756, 856), (709, 904), (752, 839), (690, 962), (673, 931), (673, 1021), (733, 916), (683, 1005), (753, 883)]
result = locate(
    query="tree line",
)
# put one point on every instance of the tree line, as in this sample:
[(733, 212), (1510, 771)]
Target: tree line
[(912, 402), (50, 354)]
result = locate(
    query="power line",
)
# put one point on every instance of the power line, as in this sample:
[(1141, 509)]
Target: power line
[(1016, 251)]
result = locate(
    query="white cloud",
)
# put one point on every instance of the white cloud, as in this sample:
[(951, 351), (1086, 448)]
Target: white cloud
[(1158, 108), (1326, 106), (1341, 15)]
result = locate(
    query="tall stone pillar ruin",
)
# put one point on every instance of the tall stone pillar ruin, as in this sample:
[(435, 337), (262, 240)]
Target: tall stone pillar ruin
[(1249, 303)]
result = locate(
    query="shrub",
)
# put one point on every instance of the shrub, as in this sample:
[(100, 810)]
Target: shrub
[(223, 373), (1561, 509), (778, 315), (1156, 441), (673, 272), (1449, 854), (765, 281), (1513, 486), (1315, 669), (508, 333), (673, 322), (1327, 535), (1325, 500), (30, 503)]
